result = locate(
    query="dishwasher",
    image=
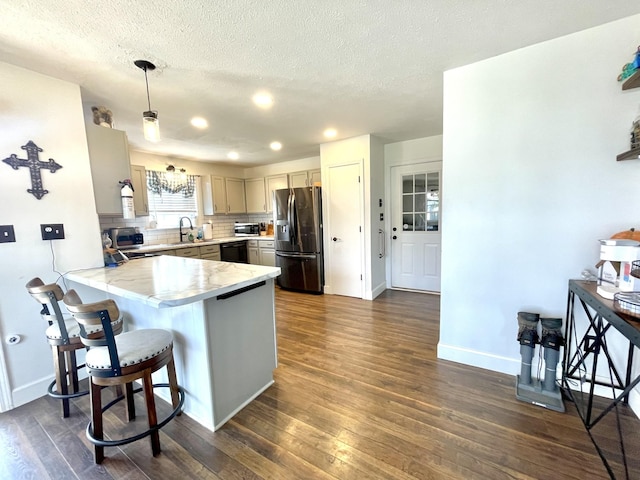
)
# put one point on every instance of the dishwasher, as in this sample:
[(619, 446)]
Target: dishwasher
[(234, 252)]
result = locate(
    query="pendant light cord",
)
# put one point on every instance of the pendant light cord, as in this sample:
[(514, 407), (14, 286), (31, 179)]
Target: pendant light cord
[(147, 83)]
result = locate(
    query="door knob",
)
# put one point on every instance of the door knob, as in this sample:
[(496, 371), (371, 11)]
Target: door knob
[(394, 229), (335, 239), (394, 237)]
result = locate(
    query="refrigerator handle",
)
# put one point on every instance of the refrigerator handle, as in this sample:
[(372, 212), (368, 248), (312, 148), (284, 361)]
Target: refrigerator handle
[(289, 219), (294, 225), (296, 255)]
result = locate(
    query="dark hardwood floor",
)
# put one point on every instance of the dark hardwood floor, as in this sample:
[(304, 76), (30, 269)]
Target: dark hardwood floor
[(358, 394)]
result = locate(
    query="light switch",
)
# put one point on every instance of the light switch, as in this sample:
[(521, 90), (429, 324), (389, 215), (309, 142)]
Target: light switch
[(7, 234)]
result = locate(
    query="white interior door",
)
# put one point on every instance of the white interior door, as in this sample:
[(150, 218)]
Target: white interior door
[(415, 226), (343, 231)]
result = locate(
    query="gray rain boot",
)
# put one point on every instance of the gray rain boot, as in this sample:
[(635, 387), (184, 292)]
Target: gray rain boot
[(552, 340), (528, 337)]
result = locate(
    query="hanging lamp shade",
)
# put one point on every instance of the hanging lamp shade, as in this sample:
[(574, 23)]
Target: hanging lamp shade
[(150, 122), (151, 126)]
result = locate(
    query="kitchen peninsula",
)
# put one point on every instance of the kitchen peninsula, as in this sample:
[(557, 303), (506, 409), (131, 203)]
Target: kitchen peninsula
[(222, 317)]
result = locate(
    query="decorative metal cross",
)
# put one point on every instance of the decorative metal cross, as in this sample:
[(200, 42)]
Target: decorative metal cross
[(35, 164)]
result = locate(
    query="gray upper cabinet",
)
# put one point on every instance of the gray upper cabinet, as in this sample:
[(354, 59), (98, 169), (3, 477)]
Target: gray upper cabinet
[(139, 182), (274, 182), (304, 179), (255, 195), (235, 195), (214, 196), (109, 159)]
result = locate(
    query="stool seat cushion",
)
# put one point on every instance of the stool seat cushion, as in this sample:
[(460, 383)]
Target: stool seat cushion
[(133, 347), (73, 329)]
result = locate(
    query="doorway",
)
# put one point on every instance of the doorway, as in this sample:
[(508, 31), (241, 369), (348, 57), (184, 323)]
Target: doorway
[(415, 225), (343, 230)]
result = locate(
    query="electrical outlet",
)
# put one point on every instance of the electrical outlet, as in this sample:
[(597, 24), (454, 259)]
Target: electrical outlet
[(52, 231), (7, 234)]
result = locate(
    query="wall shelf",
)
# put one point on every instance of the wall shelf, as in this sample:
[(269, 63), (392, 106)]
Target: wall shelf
[(632, 82), (632, 154)]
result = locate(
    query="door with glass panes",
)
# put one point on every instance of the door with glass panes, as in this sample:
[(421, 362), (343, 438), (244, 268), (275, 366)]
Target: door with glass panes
[(415, 225)]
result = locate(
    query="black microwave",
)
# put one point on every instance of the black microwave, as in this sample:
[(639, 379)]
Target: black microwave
[(246, 229)]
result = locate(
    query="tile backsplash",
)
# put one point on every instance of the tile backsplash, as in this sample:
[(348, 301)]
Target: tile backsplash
[(222, 226)]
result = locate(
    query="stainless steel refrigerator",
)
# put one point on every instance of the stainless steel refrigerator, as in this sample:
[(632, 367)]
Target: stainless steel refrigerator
[(297, 215)]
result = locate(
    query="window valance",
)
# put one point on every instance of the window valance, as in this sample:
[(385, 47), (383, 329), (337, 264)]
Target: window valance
[(171, 182)]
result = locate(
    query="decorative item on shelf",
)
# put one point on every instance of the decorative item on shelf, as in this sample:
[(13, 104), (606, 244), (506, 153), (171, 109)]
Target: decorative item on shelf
[(102, 116), (627, 303), (35, 165), (629, 69), (150, 122), (635, 133)]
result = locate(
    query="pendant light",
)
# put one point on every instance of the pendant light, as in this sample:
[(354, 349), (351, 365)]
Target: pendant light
[(150, 122)]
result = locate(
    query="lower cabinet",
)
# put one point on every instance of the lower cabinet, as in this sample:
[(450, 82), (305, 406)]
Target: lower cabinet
[(252, 251), (261, 252), (190, 252), (204, 252), (165, 252), (210, 252), (266, 253)]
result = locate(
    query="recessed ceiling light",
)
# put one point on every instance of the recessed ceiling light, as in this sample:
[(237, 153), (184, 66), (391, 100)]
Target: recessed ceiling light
[(263, 100), (199, 122), (233, 155), (330, 132), (275, 146)]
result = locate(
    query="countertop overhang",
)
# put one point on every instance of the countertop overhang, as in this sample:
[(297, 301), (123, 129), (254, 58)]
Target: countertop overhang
[(169, 281)]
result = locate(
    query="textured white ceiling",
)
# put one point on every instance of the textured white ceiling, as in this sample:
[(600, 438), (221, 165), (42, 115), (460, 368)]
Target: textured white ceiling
[(360, 66)]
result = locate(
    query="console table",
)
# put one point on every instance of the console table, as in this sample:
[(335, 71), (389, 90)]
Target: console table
[(584, 351)]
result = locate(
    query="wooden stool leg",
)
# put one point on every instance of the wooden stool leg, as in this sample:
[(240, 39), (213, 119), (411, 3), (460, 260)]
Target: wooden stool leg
[(96, 420), (61, 378), (130, 406), (72, 370), (151, 411), (173, 384)]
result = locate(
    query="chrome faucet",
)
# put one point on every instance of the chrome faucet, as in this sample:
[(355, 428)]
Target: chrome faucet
[(190, 227)]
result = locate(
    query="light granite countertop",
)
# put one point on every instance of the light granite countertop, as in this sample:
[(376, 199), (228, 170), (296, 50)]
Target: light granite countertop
[(150, 248), (167, 281)]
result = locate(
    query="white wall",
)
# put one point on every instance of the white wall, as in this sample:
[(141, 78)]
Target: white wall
[(368, 151), (374, 193), (158, 162), (292, 166), (426, 149), (531, 183), (49, 112)]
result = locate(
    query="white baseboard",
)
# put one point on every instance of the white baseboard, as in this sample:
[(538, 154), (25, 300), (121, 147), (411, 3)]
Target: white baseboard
[(31, 391), (475, 358), (34, 390), (376, 291), (511, 366)]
